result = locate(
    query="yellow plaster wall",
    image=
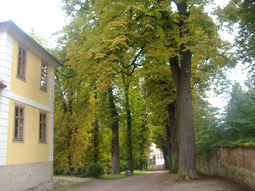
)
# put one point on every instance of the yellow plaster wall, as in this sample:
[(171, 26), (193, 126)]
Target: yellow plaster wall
[(30, 150), (31, 87)]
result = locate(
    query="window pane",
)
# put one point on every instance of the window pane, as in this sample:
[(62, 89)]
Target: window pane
[(16, 133), (16, 123), (24, 53), (20, 128), (16, 111), (40, 117), (43, 118), (20, 124), (19, 64), (44, 68), (23, 68), (21, 112), (20, 133), (19, 51)]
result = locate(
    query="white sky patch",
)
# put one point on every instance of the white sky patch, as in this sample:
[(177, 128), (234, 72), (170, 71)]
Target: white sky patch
[(45, 16)]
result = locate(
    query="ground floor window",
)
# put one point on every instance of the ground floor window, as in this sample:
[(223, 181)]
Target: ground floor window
[(19, 122), (42, 127)]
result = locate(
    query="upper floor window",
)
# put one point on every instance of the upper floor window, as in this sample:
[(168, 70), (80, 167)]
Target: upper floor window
[(22, 63), (44, 73), (42, 127), (19, 123)]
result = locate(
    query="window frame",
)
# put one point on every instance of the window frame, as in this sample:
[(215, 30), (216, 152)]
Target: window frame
[(46, 126), (22, 138), (47, 73), (25, 65)]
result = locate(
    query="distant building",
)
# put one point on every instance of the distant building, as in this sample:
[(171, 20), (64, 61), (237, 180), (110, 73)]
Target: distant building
[(156, 155), (26, 110)]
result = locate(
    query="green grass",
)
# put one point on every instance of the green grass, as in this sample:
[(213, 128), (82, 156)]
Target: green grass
[(122, 175), (111, 176), (114, 176)]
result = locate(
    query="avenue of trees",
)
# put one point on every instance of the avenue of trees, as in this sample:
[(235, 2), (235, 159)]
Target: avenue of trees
[(137, 72)]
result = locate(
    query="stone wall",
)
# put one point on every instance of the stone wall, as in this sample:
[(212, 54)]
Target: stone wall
[(237, 164), (23, 176)]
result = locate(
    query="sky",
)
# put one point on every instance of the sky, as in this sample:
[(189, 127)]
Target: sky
[(46, 17)]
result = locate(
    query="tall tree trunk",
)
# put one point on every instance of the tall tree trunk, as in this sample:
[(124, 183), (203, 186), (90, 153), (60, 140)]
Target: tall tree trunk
[(96, 137), (142, 166), (174, 139), (129, 128), (181, 77), (142, 147), (168, 148), (165, 155), (115, 134)]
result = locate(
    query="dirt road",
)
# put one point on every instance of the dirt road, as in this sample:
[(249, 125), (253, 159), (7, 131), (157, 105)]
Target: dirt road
[(157, 180)]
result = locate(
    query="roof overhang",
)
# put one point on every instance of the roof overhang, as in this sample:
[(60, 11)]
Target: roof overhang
[(25, 40)]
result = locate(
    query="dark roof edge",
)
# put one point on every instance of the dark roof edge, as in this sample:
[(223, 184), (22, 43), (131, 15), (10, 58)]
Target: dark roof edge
[(11, 25)]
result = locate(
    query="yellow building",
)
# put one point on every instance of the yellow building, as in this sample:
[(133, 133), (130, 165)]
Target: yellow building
[(26, 110)]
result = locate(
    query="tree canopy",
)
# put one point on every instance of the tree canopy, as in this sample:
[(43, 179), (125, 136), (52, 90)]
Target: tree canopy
[(137, 72)]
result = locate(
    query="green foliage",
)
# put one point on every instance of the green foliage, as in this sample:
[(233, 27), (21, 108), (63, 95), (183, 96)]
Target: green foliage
[(246, 35), (128, 45), (239, 122), (94, 170), (123, 165), (237, 125), (241, 13)]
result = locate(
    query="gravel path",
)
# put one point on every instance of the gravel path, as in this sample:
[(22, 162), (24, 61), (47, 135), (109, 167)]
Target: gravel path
[(57, 183), (157, 180)]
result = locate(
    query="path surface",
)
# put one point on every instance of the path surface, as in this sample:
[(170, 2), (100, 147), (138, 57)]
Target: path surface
[(157, 180)]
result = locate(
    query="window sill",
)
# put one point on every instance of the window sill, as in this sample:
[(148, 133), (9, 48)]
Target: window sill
[(21, 78), (17, 141), (43, 142), (45, 90)]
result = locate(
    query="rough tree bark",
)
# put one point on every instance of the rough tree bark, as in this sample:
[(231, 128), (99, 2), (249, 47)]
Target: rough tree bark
[(142, 166), (129, 136), (115, 134), (142, 147), (174, 139), (96, 137), (168, 147), (181, 77), (165, 155)]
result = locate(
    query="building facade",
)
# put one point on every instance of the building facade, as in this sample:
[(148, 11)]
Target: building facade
[(26, 109), (156, 155)]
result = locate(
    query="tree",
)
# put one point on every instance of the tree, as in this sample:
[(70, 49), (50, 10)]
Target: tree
[(115, 133), (120, 36), (240, 117), (242, 13)]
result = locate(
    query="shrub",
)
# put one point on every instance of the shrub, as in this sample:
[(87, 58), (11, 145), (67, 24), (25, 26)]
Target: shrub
[(123, 165), (94, 170)]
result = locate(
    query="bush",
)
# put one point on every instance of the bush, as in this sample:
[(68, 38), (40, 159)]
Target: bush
[(94, 170), (123, 165)]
